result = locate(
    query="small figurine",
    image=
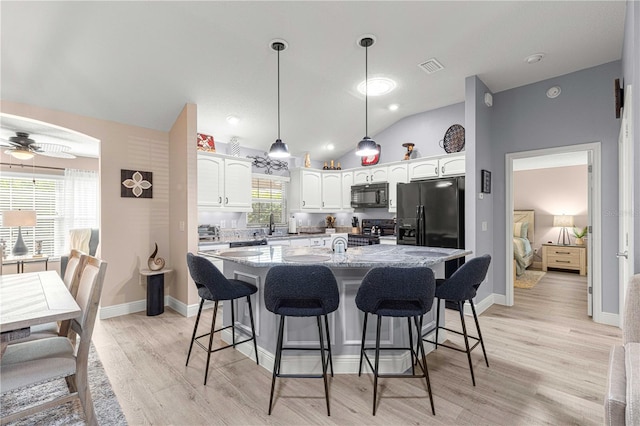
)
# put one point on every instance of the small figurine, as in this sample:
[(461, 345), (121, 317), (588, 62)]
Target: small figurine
[(409, 146), (153, 263), (307, 160), (339, 166), (325, 167)]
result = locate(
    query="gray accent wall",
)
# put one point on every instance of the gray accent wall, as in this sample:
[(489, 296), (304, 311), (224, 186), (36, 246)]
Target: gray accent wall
[(425, 130), (524, 119), (478, 144)]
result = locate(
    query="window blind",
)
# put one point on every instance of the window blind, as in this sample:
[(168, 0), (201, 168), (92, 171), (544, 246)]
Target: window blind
[(268, 195)]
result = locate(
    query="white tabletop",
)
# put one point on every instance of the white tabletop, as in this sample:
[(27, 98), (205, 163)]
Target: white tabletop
[(34, 298)]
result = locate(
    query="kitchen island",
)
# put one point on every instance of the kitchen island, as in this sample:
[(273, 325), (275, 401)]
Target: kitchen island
[(251, 264)]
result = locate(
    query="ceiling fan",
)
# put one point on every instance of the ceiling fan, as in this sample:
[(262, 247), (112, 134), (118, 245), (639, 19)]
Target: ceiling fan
[(24, 148)]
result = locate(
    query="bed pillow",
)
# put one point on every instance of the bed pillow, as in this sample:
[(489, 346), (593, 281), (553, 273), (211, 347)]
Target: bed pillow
[(521, 229)]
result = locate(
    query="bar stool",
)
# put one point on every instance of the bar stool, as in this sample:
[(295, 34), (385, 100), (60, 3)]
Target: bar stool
[(458, 288), (301, 291), (212, 285), (401, 293)]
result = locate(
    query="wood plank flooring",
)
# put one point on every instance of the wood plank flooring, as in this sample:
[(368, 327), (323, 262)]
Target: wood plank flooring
[(548, 364)]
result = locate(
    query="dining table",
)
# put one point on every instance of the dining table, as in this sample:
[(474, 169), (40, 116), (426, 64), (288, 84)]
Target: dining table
[(30, 299)]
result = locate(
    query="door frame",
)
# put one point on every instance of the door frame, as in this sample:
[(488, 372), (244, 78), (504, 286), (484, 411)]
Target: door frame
[(594, 255), (625, 199)]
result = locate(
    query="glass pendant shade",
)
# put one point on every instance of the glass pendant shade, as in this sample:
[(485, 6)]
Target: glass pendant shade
[(367, 147), (279, 149)]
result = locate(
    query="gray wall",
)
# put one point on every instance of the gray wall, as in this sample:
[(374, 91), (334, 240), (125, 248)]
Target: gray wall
[(524, 119), (479, 157), (425, 130), (631, 70)]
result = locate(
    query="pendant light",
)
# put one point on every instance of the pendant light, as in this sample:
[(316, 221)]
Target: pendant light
[(366, 146), (278, 149)]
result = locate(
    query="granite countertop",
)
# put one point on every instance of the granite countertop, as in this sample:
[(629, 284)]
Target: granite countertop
[(274, 237), (355, 257)]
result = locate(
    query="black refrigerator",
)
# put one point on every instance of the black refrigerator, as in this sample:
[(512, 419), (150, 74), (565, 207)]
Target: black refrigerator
[(431, 213)]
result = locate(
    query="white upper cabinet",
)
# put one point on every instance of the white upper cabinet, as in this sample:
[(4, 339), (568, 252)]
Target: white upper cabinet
[(347, 181), (453, 165), (426, 168), (305, 190), (370, 175), (332, 191), (397, 173), (224, 183)]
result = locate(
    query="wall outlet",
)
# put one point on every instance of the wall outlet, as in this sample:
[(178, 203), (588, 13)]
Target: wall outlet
[(223, 224), (234, 224)]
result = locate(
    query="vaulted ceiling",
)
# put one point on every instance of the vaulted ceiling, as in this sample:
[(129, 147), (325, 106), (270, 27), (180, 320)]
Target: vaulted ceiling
[(140, 62)]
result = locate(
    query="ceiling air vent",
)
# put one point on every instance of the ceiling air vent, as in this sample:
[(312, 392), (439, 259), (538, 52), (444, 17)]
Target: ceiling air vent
[(431, 65)]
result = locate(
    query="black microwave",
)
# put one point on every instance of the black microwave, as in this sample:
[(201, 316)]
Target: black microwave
[(370, 195)]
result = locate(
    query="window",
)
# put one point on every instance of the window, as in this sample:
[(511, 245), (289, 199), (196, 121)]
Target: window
[(268, 195), (56, 211)]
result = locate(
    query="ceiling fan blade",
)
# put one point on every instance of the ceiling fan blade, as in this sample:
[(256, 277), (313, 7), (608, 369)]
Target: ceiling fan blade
[(53, 150)]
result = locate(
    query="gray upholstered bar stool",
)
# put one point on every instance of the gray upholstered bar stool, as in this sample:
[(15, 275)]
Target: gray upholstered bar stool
[(212, 285), (459, 288), (302, 291), (400, 293)]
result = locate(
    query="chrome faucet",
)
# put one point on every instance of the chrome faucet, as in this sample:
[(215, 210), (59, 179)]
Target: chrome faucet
[(272, 226)]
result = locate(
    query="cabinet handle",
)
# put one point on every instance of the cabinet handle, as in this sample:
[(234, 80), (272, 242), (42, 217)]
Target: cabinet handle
[(226, 200), (563, 252), (323, 204), (435, 171), (442, 169), (219, 200), (563, 261), (303, 203), (367, 179)]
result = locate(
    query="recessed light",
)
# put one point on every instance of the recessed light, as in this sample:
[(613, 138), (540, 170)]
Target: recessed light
[(232, 119), (377, 86), (535, 58), (394, 107), (330, 147), (553, 92)]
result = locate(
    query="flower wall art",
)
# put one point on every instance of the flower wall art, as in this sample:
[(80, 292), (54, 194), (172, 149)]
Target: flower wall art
[(136, 184)]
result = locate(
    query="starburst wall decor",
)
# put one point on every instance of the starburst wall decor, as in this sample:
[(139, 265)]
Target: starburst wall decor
[(135, 184)]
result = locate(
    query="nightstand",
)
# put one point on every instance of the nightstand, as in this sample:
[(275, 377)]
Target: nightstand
[(565, 257)]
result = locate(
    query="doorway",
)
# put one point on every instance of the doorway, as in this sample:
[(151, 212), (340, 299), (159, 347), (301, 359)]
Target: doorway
[(590, 153)]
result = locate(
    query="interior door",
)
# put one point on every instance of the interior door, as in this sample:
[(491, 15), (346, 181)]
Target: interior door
[(590, 185), (625, 197)]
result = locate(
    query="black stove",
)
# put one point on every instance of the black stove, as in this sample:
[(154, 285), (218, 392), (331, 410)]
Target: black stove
[(379, 227)]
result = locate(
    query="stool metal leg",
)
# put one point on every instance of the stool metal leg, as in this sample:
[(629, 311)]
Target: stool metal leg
[(413, 369), (466, 340), (475, 317), (324, 365), (213, 325), (253, 328), (425, 369), (276, 364), (375, 371), (437, 322), (364, 335), (233, 323), (195, 329), (326, 325)]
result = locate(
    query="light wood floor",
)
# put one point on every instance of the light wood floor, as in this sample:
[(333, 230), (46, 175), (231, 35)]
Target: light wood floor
[(548, 364)]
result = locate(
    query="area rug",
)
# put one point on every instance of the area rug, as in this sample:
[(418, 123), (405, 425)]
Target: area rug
[(529, 279), (105, 404)]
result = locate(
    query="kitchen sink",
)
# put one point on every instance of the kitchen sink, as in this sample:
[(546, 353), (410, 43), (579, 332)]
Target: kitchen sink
[(240, 253)]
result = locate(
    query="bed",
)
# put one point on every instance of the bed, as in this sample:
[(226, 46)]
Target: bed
[(523, 237)]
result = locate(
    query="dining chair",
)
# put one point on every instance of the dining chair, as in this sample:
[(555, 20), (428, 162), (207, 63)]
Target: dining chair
[(30, 363)]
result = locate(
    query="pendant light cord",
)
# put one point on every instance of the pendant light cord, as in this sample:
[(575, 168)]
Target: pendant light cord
[(366, 90), (279, 93)]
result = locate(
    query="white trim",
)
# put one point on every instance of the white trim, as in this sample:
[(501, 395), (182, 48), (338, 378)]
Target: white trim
[(270, 177), (595, 237), (610, 319), (481, 306), (141, 305)]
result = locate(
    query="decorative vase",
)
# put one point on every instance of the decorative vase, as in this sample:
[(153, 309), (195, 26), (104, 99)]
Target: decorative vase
[(307, 160), (153, 263), (234, 147), (579, 241)]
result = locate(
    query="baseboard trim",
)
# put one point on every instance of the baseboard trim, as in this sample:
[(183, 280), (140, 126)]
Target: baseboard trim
[(141, 305), (484, 304), (609, 319)]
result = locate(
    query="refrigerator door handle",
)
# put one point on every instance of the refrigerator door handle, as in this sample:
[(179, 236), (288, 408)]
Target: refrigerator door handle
[(419, 225)]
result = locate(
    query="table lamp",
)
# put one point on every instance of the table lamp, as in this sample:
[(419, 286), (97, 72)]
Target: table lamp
[(563, 221), (19, 218)]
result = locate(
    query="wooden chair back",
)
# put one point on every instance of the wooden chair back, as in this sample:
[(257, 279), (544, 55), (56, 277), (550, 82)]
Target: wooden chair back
[(75, 265)]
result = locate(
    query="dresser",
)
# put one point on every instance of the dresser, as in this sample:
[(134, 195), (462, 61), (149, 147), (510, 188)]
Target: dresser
[(564, 257)]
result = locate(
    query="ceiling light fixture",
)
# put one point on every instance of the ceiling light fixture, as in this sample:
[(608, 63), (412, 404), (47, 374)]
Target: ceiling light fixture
[(366, 146), (232, 119), (278, 149), (330, 147), (535, 58), (553, 92), (20, 153), (394, 107), (377, 86)]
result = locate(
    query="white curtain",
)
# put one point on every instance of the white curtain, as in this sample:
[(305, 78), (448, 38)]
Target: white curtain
[(80, 203)]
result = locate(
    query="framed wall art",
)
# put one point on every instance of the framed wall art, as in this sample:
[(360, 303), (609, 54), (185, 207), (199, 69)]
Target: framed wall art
[(486, 181), (136, 184), (206, 143)]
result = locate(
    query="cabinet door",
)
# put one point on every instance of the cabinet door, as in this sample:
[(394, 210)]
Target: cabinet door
[(453, 165), (237, 186), (331, 194), (379, 174), (311, 190), (347, 181), (397, 174), (210, 181), (422, 169), (361, 176)]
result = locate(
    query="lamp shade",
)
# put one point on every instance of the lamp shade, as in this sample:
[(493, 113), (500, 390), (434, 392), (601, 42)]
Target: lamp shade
[(279, 149), (367, 147), (11, 218), (563, 220)]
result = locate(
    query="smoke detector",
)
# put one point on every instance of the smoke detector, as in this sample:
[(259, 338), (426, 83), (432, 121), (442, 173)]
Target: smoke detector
[(431, 65), (535, 58)]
